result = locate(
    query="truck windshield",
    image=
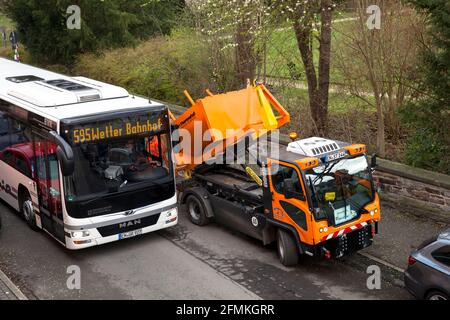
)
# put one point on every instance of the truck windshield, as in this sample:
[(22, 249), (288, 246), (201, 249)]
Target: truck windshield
[(120, 165), (341, 189)]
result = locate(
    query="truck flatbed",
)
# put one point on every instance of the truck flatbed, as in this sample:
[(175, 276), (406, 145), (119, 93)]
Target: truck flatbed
[(230, 182)]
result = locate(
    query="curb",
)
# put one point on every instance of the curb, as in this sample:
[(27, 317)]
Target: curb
[(381, 261), (12, 287)]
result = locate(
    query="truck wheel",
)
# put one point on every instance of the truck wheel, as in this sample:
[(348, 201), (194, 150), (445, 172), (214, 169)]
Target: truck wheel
[(196, 211), (287, 249), (27, 210)]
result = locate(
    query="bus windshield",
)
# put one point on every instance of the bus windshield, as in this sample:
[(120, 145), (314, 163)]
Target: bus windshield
[(120, 172), (341, 189)]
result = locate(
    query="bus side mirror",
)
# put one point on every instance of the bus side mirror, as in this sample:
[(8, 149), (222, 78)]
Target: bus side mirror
[(288, 189), (64, 153), (373, 163), (67, 163)]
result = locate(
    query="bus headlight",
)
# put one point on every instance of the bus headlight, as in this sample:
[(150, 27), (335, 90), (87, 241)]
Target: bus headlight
[(171, 213), (79, 234)]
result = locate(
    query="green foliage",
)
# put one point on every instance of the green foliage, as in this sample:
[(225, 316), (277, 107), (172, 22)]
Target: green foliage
[(5, 22), (160, 68), (429, 116), (42, 25), (153, 16)]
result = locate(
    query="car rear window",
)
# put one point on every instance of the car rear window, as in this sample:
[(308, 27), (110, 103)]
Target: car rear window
[(442, 255)]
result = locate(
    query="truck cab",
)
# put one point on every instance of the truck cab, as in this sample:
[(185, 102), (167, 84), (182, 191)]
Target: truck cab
[(325, 190)]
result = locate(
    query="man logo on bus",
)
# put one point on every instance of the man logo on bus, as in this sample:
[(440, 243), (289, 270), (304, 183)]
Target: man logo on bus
[(129, 224), (129, 213)]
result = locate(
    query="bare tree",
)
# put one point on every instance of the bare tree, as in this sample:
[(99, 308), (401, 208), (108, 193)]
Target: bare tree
[(233, 28), (312, 23), (378, 65)]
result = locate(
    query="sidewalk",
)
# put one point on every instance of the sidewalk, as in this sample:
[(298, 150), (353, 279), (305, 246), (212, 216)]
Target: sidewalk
[(9, 291), (400, 233)]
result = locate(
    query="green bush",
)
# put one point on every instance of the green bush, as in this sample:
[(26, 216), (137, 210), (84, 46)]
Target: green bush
[(429, 116), (160, 68)]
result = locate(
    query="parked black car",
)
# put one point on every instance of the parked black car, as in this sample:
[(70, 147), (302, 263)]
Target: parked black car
[(428, 273)]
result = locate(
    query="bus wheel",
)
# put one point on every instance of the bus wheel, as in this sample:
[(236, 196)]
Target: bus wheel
[(287, 249), (196, 211), (27, 210)]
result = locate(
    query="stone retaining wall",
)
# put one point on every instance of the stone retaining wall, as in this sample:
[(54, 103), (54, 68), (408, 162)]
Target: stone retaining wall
[(400, 186), (416, 190)]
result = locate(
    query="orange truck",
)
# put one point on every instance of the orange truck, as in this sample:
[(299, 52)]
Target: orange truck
[(311, 196)]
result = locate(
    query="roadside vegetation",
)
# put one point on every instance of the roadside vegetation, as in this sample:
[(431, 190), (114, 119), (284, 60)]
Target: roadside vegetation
[(387, 88)]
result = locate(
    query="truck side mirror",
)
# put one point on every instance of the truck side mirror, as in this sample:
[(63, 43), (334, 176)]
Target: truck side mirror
[(373, 163), (288, 188), (64, 153)]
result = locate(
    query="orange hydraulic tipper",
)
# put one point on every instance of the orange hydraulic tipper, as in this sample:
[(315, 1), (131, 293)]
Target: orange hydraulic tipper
[(214, 123), (313, 196)]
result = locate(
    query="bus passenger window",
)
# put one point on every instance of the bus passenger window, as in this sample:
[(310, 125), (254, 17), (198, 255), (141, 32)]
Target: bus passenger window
[(7, 157), (19, 132), (22, 166), (4, 132)]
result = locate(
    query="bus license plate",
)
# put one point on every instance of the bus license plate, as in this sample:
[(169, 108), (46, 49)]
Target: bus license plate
[(130, 234)]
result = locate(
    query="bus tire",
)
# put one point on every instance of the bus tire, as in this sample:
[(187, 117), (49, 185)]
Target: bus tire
[(27, 210), (287, 248), (196, 211)]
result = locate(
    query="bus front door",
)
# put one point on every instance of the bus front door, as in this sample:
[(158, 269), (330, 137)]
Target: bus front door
[(49, 187)]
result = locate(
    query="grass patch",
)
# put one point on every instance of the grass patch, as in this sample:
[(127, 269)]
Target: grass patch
[(5, 22), (160, 68), (338, 102), (283, 55)]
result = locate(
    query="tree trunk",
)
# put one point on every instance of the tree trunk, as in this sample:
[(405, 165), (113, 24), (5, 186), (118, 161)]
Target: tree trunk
[(245, 67), (381, 140), (324, 65), (318, 86), (303, 34)]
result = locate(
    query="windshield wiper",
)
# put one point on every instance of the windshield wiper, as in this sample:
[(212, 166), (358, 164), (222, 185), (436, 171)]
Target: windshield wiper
[(325, 171), (344, 198)]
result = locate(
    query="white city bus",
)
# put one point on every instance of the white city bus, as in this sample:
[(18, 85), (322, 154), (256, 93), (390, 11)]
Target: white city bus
[(83, 160)]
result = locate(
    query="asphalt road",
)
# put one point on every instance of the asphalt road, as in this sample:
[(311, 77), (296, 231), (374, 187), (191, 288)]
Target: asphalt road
[(185, 262)]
